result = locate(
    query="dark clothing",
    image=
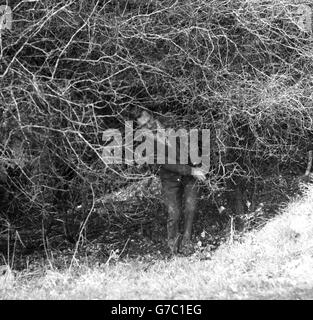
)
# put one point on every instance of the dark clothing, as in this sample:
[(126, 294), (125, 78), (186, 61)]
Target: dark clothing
[(180, 196), (179, 187), (180, 169), (180, 193)]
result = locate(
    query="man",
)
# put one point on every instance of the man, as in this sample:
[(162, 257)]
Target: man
[(179, 188)]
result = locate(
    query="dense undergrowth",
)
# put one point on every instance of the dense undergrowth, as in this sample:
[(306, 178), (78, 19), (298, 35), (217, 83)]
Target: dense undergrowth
[(272, 262), (71, 69)]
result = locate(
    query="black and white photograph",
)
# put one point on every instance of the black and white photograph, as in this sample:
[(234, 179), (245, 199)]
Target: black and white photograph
[(156, 150)]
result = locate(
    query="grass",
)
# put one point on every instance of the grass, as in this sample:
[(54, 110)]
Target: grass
[(275, 262)]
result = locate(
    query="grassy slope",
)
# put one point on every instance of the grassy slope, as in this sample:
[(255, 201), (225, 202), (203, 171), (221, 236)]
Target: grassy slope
[(275, 262)]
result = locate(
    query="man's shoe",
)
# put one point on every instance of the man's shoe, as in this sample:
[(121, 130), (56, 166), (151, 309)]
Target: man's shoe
[(173, 244), (186, 247)]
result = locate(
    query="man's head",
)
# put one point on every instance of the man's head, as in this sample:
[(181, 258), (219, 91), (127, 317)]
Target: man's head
[(145, 120)]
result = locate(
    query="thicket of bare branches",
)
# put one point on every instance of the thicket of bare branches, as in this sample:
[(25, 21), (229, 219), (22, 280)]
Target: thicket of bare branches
[(71, 69)]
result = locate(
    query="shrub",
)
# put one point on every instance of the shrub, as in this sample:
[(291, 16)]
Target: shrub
[(70, 70)]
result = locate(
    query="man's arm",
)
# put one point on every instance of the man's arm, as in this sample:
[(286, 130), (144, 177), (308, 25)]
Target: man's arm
[(186, 170)]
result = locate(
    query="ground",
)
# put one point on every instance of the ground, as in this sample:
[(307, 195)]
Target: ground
[(273, 261)]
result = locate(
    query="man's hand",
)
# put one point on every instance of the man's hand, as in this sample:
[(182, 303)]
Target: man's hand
[(198, 173)]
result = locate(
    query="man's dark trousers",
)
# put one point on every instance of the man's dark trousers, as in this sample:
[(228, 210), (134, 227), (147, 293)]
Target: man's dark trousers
[(180, 193)]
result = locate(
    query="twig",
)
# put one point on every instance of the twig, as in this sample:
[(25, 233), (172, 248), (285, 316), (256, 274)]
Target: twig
[(309, 165)]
